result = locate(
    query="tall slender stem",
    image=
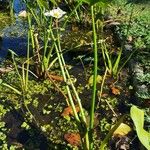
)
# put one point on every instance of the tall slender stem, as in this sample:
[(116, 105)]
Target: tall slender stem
[(12, 8), (63, 73), (83, 118), (94, 80), (27, 67), (67, 76)]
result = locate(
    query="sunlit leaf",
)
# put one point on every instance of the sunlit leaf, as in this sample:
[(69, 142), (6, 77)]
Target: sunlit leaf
[(137, 116), (122, 130), (25, 125), (99, 79), (12, 88), (92, 2), (12, 52), (42, 3)]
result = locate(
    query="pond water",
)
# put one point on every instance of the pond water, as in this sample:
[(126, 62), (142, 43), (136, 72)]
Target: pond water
[(13, 32), (18, 6)]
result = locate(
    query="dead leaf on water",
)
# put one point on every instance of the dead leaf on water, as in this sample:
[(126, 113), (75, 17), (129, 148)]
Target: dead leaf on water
[(73, 138), (68, 111), (56, 77), (115, 90)]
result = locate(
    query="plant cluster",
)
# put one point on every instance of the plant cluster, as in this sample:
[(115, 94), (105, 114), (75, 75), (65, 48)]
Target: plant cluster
[(32, 89)]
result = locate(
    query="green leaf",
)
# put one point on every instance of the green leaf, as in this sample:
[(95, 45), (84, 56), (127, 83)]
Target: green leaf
[(42, 3), (44, 64), (98, 79), (122, 130), (12, 88), (12, 52), (54, 2), (25, 125), (1, 81), (137, 116), (92, 2)]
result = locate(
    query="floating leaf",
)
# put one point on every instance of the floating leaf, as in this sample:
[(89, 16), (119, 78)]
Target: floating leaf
[(68, 111), (99, 79), (122, 130), (137, 116), (73, 138)]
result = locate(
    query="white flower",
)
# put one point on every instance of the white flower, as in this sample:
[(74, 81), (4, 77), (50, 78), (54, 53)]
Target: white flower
[(56, 13)]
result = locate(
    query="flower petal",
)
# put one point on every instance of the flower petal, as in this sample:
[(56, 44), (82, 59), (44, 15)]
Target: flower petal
[(56, 13)]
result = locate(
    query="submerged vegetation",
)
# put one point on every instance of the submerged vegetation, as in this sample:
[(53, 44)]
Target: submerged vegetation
[(84, 79)]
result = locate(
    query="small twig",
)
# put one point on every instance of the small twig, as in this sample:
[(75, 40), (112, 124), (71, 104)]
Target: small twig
[(83, 67), (29, 72), (101, 91), (111, 108), (102, 85)]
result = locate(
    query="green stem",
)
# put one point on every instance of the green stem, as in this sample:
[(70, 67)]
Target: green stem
[(102, 86), (74, 90), (31, 33), (12, 88), (74, 10), (78, 100), (12, 8), (91, 125), (27, 68), (65, 79)]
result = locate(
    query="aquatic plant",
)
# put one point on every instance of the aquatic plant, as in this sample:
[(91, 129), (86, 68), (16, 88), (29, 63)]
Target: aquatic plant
[(114, 60), (94, 79), (68, 81), (111, 63), (45, 33)]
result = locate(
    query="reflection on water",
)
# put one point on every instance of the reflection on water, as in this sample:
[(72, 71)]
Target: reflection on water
[(18, 6), (13, 34)]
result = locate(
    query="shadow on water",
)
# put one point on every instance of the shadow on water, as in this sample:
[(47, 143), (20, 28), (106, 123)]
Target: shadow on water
[(18, 45)]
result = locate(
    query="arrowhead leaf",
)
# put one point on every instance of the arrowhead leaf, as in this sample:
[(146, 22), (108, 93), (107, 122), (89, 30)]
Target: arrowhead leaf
[(137, 116)]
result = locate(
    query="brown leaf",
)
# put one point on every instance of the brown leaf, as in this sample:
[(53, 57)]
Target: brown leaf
[(56, 77), (75, 29), (68, 111), (104, 95), (115, 90), (73, 138)]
